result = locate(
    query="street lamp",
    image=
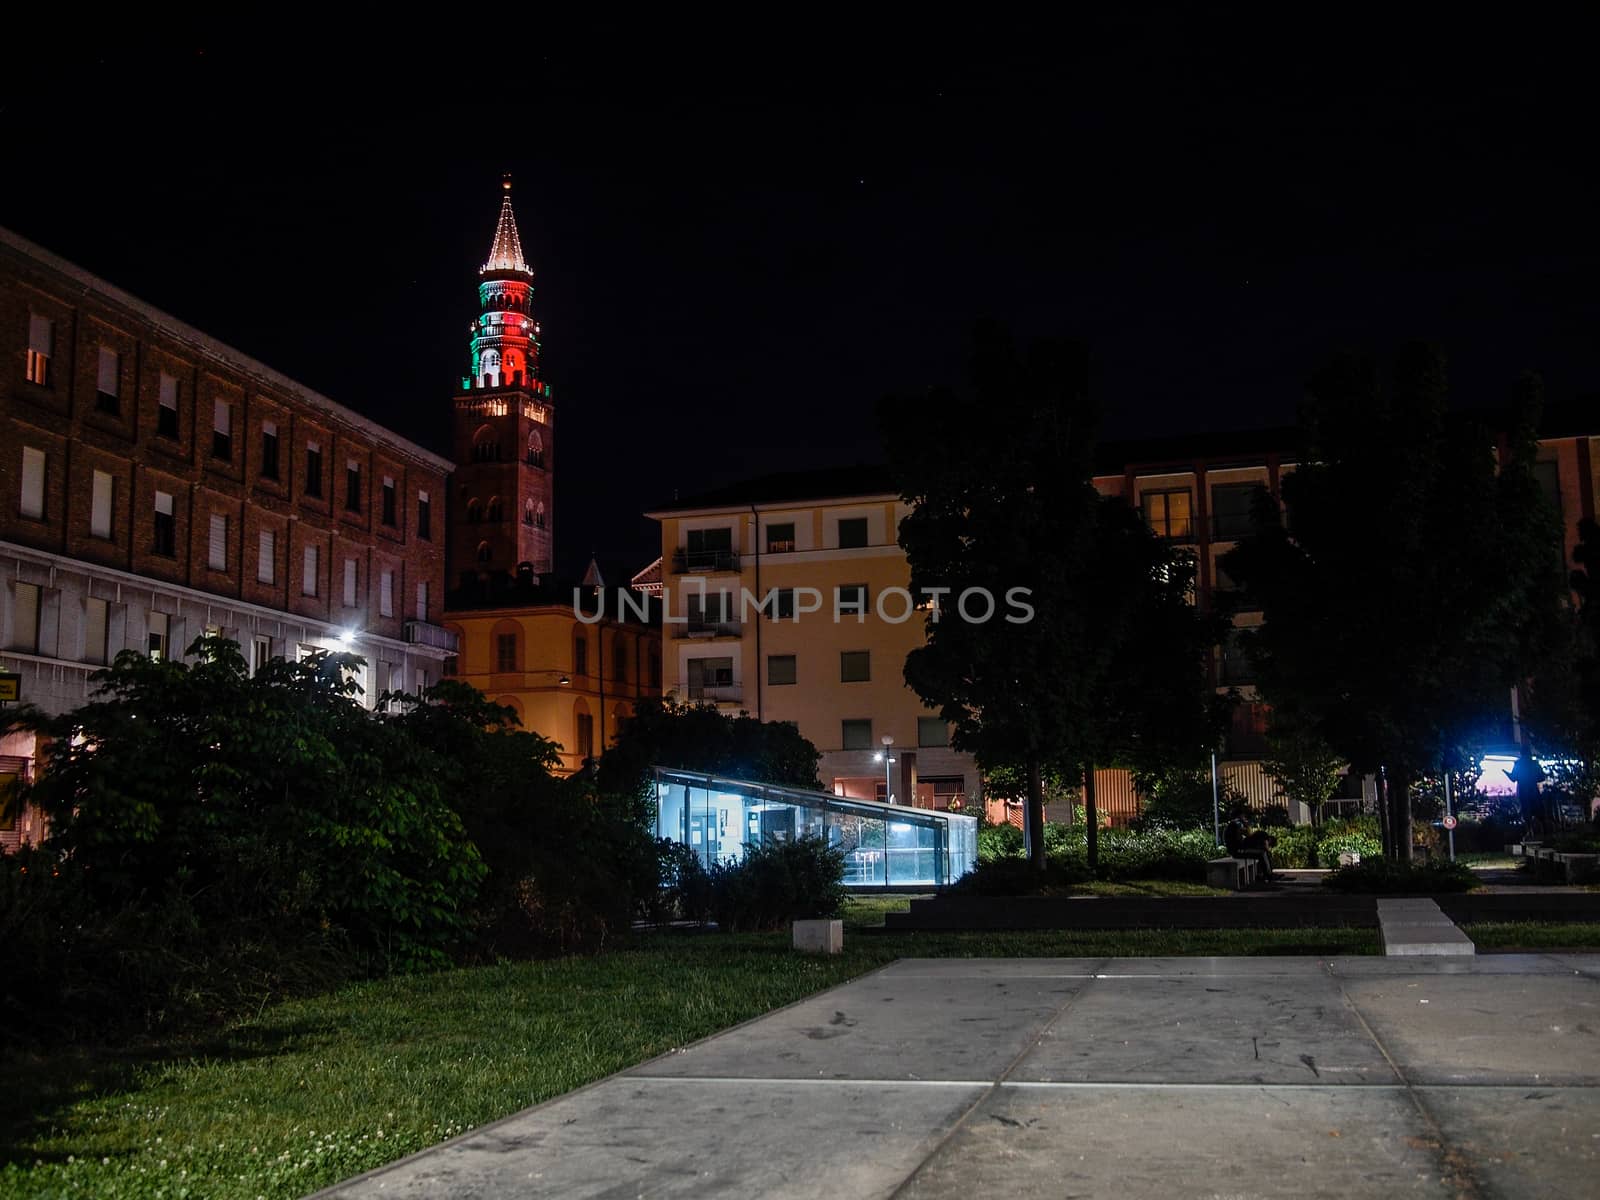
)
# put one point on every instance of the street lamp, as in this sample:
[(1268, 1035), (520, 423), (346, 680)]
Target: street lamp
[(886, 757)]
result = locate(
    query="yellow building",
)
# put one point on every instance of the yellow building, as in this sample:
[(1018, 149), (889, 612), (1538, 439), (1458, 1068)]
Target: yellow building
[(827, 650), (571, 681)]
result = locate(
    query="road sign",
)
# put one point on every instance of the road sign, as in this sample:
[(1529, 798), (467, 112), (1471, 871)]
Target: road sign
[(1450, 822), (10, 687)]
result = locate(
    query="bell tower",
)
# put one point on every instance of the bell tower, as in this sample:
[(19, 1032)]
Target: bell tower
[(502, 512)]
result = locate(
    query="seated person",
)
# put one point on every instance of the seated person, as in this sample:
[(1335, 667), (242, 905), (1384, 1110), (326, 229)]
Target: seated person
[(1243, 843)]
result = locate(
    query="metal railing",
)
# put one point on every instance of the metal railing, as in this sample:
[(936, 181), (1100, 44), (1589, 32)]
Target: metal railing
[(425, 633), (695, 561)]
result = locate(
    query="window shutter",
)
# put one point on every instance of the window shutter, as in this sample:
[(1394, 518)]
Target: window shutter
[(109, 372), (266, 551), (41, 335), (386, 594), (169, 391), (94, 630), (25, 618), (269, 428), (100, 505), (222, 418), (32, 482), (308, 572), (164, 504), (219, 542), (350, 582), (422, 600)]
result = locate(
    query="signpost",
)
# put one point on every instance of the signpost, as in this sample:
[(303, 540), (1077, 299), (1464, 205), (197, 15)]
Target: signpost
[(1449, 817)]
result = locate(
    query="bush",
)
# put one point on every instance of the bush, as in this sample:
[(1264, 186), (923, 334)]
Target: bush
[(1380, 876), (999, 841), (777, 882), (1015, 877)]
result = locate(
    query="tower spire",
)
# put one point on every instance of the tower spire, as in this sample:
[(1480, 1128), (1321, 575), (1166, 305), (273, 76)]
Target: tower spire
[(506, 253)]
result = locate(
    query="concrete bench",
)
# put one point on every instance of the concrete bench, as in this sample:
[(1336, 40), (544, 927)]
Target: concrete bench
[(1234, 874), (1417, 926)]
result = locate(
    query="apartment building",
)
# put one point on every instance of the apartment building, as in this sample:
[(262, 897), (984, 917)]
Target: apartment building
[(786, 597), (156, 484)]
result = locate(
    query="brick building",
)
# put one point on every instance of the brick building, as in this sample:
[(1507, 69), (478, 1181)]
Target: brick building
[(155, 483)]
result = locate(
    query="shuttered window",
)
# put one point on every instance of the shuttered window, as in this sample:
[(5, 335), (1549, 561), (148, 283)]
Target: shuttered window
[(308, 572), (217, 558), (32, 500), (266, 555), (101, 495), (349, 583), (386, 594)]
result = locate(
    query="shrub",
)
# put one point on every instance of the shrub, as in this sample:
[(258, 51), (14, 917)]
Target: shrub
[(1295, 846), (1380, 876), (999, 841), (1015, 877), (777, 882), (685, 891)]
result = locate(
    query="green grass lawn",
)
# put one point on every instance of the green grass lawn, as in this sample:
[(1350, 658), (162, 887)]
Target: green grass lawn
[(315, 1090), (1529, 935)]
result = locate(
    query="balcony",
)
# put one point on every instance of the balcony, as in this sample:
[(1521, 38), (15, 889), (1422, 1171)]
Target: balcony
[(701, 562), (698, 628), (424, 633), (715, 693)]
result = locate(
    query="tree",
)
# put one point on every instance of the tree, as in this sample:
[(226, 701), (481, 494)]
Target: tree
[(1305, 768), (1003, 506), (1415, 582)]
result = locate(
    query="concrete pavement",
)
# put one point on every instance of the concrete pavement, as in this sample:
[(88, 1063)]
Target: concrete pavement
[(1180, 1077)]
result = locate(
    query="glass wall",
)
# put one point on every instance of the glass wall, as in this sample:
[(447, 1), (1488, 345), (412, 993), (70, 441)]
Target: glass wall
[(884, 845)]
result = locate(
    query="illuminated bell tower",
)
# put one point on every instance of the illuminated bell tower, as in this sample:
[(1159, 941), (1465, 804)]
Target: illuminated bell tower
[(503, 513)]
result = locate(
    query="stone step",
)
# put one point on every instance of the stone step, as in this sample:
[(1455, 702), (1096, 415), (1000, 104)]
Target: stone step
[(1417, 926)]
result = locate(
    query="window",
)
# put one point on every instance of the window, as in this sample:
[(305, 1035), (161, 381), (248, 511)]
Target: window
[(95, 614), (314, 469), (422, 600), (495, 512), (217, 549), (386, 594), (535, 449), (222, 431), (781, 607), (474, 511), (102, 491), (485, 446), (308, 571), (352, 485), (266, 555), (709, 610), (166, 532), (780, 538), (31, 503), (108, 382), (851, 598), (260, 652), (856, 735), (269, 449), (585, 734), (1231, 505), (855, 666), (424, 517), (41, 344), (707, 675), (1168, 514), (349, 583), (709, 549), (167, 407), (505, 652), (1236, 664), (781, 669), (484, 553), (527, 512), (25, 618), (852, 533), (156, 638), (538, 515), (580, 655), (388, 501), (932, 731)]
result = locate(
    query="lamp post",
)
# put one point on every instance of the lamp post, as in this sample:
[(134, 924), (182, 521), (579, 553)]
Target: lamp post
[(887, 759)]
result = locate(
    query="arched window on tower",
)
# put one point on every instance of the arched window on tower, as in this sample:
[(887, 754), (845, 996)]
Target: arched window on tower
[(538, 515), (483, 552), (474, 511), (527, 512), (485, 445), (535, 449), (494, 509), (511, 368), (489, 367)]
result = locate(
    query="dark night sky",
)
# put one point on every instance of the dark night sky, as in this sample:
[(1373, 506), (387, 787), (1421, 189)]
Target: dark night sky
[(743, 237)]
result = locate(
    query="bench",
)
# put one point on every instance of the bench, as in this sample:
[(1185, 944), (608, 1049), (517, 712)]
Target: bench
[(1234, 874)]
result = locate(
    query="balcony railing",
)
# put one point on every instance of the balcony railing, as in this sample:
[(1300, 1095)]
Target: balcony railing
[(718, 693), (685, 562), (697, 628), (425, 633)]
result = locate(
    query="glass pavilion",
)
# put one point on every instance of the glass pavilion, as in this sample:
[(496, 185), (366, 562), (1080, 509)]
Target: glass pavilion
[(884, 845)]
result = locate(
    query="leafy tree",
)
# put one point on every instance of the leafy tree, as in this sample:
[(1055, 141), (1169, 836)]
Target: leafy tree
[(1305, 768), (1382, 625), (1015, 513), (696, 737)]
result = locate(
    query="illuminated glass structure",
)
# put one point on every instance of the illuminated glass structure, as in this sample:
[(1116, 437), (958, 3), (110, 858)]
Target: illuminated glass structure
[(884, 845)]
